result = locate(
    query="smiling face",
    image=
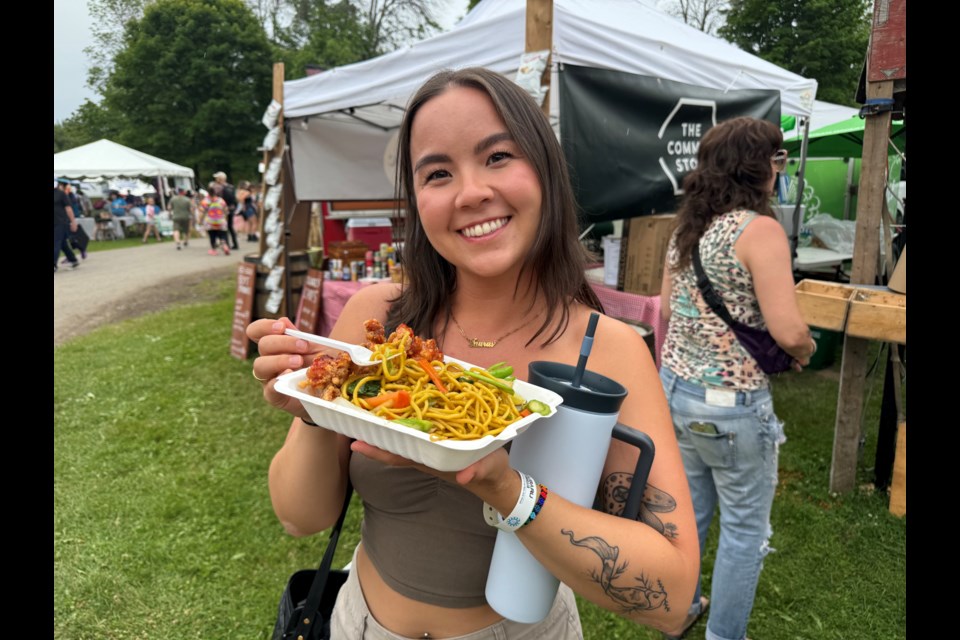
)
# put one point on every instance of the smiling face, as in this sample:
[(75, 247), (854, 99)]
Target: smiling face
[(478, 197)]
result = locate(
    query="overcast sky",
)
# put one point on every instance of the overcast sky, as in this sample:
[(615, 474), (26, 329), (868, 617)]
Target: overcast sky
[(71, 34)]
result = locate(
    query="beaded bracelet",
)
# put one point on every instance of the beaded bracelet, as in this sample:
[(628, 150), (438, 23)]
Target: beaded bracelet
[(521, 512), (538, 506)]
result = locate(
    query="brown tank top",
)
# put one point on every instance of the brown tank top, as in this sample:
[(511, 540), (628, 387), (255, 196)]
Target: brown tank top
[(426, 537)]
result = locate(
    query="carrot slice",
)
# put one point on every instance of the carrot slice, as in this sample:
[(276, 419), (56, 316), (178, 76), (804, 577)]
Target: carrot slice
[(393, 399), (426, 366)]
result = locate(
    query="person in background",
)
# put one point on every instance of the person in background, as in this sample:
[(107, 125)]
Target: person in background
[(135, 208), (118, 203), (196, 198), (74, 200), (85, 203), (64, 223), (181, 210), (492, 251), (254, 209), (214, 211), (150, 212), (719, 397), (248, 210), (229, 195), (78, 239)]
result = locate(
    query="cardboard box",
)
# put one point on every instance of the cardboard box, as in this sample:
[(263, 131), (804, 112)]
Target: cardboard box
[(642, 252)]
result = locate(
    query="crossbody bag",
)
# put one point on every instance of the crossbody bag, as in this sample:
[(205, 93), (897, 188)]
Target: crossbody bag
[(758, 342)]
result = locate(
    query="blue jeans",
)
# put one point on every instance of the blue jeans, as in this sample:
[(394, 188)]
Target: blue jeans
[(737, 469)]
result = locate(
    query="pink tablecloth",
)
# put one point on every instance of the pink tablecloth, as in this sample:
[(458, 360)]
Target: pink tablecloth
[(633, 308), (335, 296), (617, 304)]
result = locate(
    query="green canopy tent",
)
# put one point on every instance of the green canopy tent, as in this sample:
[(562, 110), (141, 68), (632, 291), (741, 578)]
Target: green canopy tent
[(844, 139)]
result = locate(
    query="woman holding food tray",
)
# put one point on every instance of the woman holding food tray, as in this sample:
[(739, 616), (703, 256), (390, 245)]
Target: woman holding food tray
[(495, 273)]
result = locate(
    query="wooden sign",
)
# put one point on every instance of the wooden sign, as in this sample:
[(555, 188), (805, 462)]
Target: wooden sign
[(887, 53), (308, 313), (243, 309)]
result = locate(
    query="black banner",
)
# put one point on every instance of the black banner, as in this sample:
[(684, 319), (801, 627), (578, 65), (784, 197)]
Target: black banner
[(630, 139)]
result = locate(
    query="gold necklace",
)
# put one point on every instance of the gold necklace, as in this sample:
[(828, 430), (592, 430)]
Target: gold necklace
[(476, 343)]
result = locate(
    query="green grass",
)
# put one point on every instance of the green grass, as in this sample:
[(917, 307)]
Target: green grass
[(163, 527), (108, 245), (132, 240)]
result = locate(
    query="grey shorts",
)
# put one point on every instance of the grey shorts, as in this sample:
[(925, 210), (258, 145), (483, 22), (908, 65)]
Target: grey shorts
[(352, 620)]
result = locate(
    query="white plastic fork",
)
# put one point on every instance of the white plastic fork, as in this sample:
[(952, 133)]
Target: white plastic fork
[(359, 355)]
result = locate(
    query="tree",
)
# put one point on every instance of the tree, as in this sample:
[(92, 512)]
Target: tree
[(110, 18), (392, 23), (192, 81), (89, 123), (333, 33), (705, 15), (821, 39), (325, 34)]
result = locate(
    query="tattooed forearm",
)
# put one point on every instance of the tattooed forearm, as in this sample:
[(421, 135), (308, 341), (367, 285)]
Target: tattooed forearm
[(613, 497), (642, 597)]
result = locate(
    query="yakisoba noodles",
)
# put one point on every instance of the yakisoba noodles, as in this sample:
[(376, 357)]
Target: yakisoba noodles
[(414, 385)]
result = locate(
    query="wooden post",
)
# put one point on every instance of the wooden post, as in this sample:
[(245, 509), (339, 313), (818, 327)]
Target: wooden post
[(886, 63), (898, 489), (866, 250), (540, 37)]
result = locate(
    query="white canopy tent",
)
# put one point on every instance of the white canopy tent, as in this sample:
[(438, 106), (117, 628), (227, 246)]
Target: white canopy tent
[(106, 160), (342, 120)]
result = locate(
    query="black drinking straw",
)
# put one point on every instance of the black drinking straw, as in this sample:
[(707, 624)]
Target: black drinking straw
[(585, 348)]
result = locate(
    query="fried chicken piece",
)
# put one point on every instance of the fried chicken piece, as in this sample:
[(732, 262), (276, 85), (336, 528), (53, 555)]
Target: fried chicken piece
[(328, 373), (402, 330), (428, 350), (417, 347), (374, 333)]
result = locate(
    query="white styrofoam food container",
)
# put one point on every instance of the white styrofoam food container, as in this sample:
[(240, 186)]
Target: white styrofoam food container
[(442, 455)]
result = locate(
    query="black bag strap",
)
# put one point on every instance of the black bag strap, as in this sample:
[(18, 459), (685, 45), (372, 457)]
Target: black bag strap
[(311, 605), (710, 295)]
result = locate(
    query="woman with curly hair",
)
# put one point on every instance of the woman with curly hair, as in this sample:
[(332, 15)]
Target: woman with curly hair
[(719, 396)]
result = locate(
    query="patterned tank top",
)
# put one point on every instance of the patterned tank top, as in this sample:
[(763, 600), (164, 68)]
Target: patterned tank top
[(699, 346)]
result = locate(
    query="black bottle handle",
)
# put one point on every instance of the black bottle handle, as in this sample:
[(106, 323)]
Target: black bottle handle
[(643, 442)]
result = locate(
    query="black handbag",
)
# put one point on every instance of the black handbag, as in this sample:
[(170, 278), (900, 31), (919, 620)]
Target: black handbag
[(307, 602), (758, 342)]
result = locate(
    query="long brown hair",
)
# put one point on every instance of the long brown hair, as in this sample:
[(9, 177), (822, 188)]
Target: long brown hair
[(733, 171), (557, 259)]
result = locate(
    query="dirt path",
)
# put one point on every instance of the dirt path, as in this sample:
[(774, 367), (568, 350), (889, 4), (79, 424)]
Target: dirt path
[(110, 286)]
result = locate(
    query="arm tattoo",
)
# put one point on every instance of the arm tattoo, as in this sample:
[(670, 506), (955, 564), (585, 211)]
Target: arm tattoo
[(613, 498), (642, 597)]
